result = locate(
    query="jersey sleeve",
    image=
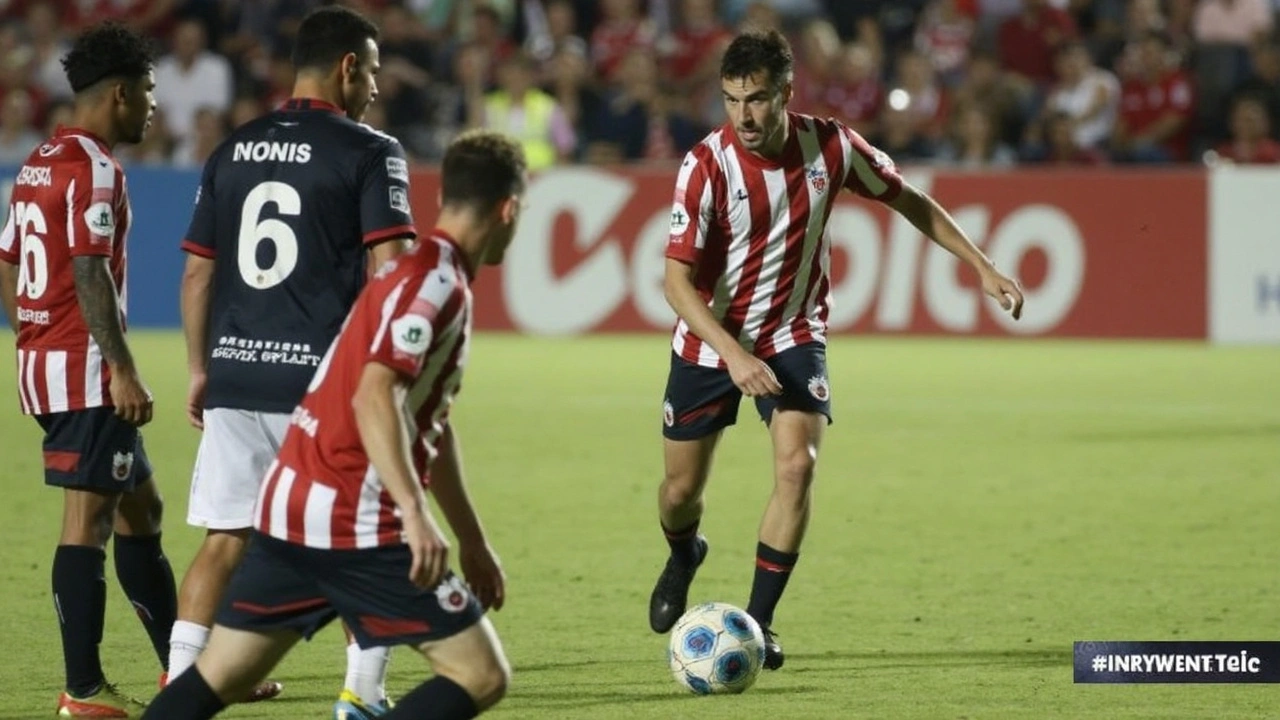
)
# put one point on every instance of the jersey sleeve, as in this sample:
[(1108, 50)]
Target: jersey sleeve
[(94, 195), (869, 171), (693, 208), (200, 238), (411, 317), (384, 195)]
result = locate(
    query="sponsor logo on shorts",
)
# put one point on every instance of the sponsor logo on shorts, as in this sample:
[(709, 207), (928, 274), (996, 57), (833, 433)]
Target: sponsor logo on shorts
[(121, 465), (452, 595), (819, 389)]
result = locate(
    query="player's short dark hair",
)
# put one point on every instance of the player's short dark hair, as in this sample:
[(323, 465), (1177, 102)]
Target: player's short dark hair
[(757, 50), (327, 34), (480, 169), (108, 50)]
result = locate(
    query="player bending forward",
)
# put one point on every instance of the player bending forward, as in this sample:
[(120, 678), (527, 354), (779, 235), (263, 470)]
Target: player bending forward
[(328, 540), (747, 273), (62, 280)]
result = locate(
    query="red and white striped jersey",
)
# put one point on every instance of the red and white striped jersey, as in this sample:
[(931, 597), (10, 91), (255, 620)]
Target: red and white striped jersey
[(68, 200), (756, 230), (414, 317)]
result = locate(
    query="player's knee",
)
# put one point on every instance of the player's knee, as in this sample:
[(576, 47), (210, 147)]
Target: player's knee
[(491, 682), (795, 471), (153, 514), (679, 488)]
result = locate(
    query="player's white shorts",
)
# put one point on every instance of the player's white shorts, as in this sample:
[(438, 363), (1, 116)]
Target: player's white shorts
[(235, 452)]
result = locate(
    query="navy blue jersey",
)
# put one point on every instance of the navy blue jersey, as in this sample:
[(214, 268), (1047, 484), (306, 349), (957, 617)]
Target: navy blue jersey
[(287, 207)]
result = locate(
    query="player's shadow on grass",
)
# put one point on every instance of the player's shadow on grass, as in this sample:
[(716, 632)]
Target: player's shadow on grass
[(1201, 432), (576, 696), (870, 662)]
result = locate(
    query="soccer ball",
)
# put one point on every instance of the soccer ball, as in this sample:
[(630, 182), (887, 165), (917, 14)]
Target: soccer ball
[(716, 648)]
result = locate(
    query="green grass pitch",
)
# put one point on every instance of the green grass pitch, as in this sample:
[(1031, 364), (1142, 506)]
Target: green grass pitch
[(980, 505)]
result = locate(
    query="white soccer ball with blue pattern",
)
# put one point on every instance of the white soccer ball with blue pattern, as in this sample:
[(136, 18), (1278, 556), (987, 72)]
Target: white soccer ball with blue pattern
[(716, 648)]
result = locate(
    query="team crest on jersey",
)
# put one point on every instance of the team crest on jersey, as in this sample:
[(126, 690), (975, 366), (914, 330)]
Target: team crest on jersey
[(121, 466), (679, 219), (819, 388), (101, 219), (452, 595), (668, 414), (411, 334), (818, 179)]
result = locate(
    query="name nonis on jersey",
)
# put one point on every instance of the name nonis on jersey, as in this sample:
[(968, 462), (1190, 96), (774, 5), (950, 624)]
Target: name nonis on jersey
[(263, 151), (35, 176)]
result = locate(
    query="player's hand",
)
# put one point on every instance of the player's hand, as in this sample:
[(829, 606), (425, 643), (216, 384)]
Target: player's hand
[(195, 400), (428, 547), (132, 399), (1006, 290), (752, 375), (483, 573)]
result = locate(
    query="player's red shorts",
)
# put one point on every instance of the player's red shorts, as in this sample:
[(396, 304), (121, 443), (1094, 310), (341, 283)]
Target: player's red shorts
[(701, 401), (93, 449), (283, 586)]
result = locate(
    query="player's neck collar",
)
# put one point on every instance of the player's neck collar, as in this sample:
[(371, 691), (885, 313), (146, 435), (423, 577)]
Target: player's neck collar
[(449, 240), (308, 103), (64, 130)]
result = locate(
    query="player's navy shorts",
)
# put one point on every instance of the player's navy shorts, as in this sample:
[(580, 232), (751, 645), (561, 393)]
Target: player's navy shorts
[(93, 449), (702, 400), (284, 586)]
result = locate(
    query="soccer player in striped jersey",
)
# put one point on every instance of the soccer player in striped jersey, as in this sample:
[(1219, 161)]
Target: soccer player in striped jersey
[(748, 275), (62, 280), (341, 526)]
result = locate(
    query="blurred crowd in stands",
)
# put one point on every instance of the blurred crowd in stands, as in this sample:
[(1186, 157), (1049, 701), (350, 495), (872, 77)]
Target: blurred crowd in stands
[(964, 83)]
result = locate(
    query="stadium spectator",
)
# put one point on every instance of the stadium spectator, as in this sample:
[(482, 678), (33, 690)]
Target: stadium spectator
[(521, 110), (1089, 95), (973, 144), (1155, 108), (1250, 127), (18, 136), (191, 77), (1027, 40)]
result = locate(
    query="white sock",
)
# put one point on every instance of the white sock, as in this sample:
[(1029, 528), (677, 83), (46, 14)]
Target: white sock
[(367, 673), (186, 642)]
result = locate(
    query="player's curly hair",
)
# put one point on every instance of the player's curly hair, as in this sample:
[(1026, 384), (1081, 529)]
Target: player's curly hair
[(480, 169), (108, 50), (757, 50)]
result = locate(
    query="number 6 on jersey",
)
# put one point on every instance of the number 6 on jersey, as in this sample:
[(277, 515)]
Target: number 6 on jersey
[(254, 231)]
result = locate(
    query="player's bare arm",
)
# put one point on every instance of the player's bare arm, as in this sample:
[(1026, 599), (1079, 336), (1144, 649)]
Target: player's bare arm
[(384, 431), (100, 306), (479, 563), (382, 252), (749, 373), (9, 292), (936, 223), (197, 280)]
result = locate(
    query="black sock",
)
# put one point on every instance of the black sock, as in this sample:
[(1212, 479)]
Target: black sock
[(188, 697), (80, 598), (147, 579), (684, 543), (773, 569), (436, 699)]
